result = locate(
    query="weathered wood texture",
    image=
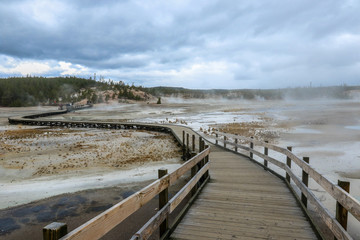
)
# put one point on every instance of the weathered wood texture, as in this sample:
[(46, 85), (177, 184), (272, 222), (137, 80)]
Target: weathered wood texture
[(341, 212), (104, 222), (242, 201), (54, 231), (339, 194), (288, 163), (163, 200), (305, 180), (167, 207), (266, 152)]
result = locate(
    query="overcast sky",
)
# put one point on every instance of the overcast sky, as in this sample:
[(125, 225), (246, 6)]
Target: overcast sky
[(193, 44)]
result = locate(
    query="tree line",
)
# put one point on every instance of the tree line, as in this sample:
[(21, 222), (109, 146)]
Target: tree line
[(31, 91)]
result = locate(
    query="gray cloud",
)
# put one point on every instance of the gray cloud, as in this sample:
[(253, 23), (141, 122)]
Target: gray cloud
[(240, 44)]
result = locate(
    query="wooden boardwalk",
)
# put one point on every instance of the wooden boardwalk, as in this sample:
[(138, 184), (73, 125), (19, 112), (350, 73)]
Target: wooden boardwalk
[(243, 201)]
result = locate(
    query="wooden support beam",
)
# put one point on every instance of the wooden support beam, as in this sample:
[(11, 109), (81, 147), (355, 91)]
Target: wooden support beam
[(305, 180), (187, 146), (266, 152), (236, 142), (288, 163), (183, 145), (202, 162), (341, 212), (206, 161), (200, 140), (225, 138), (194, 170), (54, 231), (193, 143), (251, 147), (163, 200)]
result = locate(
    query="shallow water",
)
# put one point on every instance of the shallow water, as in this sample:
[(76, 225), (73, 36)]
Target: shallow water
[(353, 127), (305, 130)]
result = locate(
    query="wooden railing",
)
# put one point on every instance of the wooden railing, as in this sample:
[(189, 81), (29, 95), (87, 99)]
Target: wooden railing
[(345, 202), (107, 220)]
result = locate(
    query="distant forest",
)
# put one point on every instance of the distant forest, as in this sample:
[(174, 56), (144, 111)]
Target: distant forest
[(31, 91)]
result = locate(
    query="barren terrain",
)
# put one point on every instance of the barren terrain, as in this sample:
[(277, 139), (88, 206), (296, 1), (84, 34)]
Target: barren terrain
[(39, 162), (327, 131)]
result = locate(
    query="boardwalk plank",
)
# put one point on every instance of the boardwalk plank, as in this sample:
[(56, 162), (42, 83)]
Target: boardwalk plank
[(248, 223), (222, 231)]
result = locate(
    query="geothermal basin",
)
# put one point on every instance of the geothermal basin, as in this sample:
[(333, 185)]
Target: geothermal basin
[(54, 161)]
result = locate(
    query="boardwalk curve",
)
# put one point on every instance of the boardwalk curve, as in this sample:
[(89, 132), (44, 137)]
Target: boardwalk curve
[(242, 201)]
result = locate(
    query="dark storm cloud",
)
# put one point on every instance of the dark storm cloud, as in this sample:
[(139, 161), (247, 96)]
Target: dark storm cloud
[(243, 43)]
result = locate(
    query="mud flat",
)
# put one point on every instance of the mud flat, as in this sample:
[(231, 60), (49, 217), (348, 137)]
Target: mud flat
[(71, 175), (41, 162)]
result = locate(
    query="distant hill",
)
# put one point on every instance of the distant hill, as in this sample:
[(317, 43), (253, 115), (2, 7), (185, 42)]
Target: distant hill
[(336, 92), (31, 91)]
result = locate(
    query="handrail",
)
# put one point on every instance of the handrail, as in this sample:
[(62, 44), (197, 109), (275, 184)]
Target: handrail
[(147, 230), (341, 196), (104, 222), (348, 201)]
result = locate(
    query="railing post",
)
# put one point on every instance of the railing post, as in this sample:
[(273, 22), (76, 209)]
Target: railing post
[(305, 180), (288, 163), (200, 140), (194, 170), (225, 141), (341, 212), (236, 142), (193, 143), (54, 231), (202, 162), (206, 161), (163, 200), (202, 147), (216, 141), (187, 145), (266, 152), (183, 145), (251, 147)]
